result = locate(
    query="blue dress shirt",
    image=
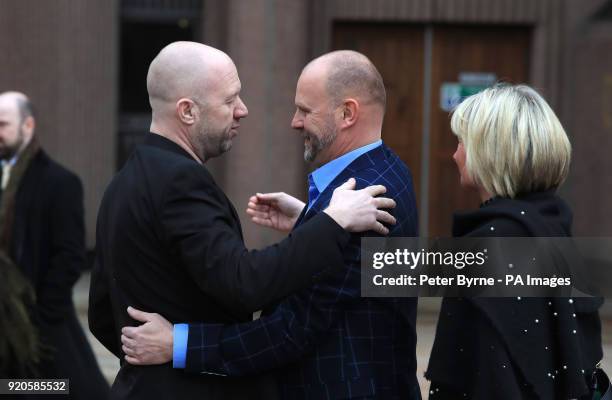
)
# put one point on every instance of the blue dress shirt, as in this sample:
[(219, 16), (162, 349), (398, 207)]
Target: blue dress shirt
[(179, 345), (325, 174)]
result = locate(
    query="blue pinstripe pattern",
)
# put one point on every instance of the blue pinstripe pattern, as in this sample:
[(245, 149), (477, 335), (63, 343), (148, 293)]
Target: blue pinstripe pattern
[(327, 342)]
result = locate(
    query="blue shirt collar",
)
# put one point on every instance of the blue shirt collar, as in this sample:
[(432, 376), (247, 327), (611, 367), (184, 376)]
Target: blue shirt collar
[(325, 174)]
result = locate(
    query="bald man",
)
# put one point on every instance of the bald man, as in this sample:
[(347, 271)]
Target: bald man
[(42, 232), (169, 241), (326, 341)]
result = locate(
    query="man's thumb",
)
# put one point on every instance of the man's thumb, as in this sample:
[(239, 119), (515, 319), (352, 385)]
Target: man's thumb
[(138, 315)]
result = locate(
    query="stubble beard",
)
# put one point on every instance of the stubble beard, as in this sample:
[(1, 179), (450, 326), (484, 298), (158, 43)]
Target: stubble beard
[(8, 152), (315, 144), (213, 144)]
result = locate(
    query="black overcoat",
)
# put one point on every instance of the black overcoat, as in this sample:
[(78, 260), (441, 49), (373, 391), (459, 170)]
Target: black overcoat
[(47, 243)]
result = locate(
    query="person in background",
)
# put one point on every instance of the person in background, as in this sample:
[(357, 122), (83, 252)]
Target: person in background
[(515, 154), (42, 231)]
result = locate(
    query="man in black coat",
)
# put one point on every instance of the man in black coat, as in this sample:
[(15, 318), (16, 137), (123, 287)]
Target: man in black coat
[(42, 231), (169, 240)]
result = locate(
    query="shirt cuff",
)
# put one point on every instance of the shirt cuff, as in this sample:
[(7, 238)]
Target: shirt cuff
[(179, 346)]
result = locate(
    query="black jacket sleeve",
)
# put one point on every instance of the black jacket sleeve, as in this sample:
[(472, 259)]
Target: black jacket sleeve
[(199, 228)]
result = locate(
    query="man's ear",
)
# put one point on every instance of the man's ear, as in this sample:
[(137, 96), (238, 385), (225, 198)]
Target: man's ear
[(186, 111), (29, 124), (350, 112)]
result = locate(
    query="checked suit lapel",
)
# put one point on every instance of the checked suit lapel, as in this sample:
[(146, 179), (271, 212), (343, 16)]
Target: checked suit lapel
[(300, 219), (364, 161)]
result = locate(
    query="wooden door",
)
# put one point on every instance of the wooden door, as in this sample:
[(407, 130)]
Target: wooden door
[(397, 52), (502, 51)]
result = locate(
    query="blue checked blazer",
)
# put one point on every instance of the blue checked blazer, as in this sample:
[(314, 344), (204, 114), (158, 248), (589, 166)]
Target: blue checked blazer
[(328, 342)]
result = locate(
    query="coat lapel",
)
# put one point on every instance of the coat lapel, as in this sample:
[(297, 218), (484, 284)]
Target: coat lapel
[(364, 161), (29, 210), (301, 217)]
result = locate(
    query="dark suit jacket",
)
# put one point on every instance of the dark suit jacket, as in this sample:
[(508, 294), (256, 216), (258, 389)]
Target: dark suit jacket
[(48, 244), (169, 241), (326, 341)]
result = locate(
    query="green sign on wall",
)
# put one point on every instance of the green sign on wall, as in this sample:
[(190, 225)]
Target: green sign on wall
[(453, 93)]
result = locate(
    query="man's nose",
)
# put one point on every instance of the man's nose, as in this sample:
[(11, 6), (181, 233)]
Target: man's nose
[(241, 111), (297, 122)]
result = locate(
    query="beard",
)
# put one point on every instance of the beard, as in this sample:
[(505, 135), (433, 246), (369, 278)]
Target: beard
[(212, 147), (316, 144), (212, 142), (225, 143), (9, 151)]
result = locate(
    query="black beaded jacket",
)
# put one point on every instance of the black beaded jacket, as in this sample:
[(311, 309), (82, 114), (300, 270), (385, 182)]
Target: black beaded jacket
[(513, 348)]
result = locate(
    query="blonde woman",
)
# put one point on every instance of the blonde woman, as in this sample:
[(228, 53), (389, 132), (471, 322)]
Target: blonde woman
[(513, 151)]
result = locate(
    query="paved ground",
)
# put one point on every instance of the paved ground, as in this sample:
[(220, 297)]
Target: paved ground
[(426, 324)]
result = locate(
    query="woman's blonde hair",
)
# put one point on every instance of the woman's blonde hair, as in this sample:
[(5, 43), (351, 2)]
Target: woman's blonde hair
[(514, 142)]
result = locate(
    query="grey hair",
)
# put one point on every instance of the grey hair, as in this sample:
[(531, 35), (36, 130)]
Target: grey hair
[(25, 107)]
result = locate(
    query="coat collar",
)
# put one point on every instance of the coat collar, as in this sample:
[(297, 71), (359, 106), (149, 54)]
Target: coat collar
[(9, 194), (161, 142)]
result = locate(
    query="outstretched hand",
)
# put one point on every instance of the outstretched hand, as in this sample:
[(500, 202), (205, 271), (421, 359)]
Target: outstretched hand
[(278, 210), (149, 343), (359, 210)]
